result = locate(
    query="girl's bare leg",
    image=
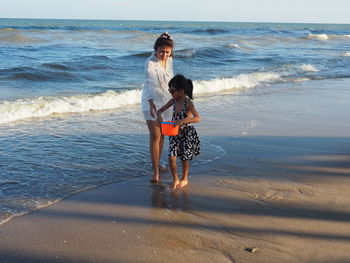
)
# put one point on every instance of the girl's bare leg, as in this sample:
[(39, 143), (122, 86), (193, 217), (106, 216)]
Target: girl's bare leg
[(173, 168), (185, 170), (155, 143)]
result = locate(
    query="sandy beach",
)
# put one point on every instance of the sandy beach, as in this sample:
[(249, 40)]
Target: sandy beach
[(279, 194)]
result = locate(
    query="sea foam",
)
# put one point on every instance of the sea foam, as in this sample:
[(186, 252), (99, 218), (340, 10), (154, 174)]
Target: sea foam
[(45, 106), (242, 81), (326, 36), (11, 111), (318, 36), (308, 68)]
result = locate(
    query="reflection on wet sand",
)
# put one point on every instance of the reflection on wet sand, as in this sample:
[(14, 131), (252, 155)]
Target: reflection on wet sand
[(163, 197)]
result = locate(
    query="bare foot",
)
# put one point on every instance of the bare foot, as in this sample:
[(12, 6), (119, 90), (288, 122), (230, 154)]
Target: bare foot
[(163, 168), (183, 183), (155, 179), (174, 185)]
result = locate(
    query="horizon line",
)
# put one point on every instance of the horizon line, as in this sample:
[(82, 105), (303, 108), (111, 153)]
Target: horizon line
[(158, 20)]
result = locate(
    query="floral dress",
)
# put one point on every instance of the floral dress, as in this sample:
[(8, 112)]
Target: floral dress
[(186, 144)]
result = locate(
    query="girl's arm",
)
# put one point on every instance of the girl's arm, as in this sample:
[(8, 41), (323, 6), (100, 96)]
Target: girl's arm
[(195, 115), (164, 108)]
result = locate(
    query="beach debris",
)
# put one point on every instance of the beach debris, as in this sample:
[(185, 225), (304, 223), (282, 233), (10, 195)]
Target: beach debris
[(251, 249)]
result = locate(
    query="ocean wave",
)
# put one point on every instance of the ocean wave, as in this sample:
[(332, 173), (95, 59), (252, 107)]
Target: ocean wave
[(11, 111), (242, 81), (58, 71), (204, 52), (14, 36), (308, 68), (290, 72), (45, 106), (38, 74), (142, 54), (233, 45), (211, 31), (49, 30), (215, 52), (326, 36), (7, 30), (339, 36), (18, 39), (346, 54), (55, 66), (182, 53), (317, 36), (97, 57), (185, 53)]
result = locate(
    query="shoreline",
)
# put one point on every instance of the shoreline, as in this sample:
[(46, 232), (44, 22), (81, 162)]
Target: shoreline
[(268, 211)]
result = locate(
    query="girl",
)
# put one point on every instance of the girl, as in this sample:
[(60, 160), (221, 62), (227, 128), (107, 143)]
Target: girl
[(159, 70), (186, 144)]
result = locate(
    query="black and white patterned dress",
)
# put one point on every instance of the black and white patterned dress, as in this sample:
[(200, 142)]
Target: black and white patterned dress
[(186, 144)]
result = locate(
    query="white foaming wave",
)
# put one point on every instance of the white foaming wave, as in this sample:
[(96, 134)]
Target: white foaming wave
[(339, 36), (241, 81), (185, 53), (308, 68), (233, 45), (347, 54), (11, 111), (318, 36), (326, 37)]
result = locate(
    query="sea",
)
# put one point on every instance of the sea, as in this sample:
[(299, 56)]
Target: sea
[(70, 117)]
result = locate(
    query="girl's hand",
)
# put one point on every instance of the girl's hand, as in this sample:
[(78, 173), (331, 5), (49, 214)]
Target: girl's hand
[(178, 122)]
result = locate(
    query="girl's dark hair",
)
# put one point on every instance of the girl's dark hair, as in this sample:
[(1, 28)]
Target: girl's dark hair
[(163, 40), (179, 82)]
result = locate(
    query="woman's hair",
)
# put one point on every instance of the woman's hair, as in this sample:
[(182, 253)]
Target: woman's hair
[(179, 82), (163, 40)]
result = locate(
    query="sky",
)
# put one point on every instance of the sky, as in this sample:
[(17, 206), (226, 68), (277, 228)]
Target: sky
[(299, 11)]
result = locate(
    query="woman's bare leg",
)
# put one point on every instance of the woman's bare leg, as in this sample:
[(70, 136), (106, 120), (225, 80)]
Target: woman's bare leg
[(161, 144), (154, 146)]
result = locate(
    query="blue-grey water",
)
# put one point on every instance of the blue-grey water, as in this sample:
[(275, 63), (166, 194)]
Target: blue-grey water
[(70, 91)]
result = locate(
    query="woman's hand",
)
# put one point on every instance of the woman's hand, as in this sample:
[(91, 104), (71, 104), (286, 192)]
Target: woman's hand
[(152, 108), (159, 119)]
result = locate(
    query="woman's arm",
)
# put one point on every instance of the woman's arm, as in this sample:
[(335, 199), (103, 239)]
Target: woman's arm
[(152, 81)]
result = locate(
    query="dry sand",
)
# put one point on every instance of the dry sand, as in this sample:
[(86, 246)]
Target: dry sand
[(273, 197)]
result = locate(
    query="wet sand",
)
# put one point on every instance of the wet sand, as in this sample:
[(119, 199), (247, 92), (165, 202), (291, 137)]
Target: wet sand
[(279, 194)]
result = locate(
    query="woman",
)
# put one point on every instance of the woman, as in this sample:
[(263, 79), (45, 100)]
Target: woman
[(159, 71)]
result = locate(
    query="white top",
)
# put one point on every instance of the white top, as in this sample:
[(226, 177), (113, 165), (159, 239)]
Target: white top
[(156, 84)]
